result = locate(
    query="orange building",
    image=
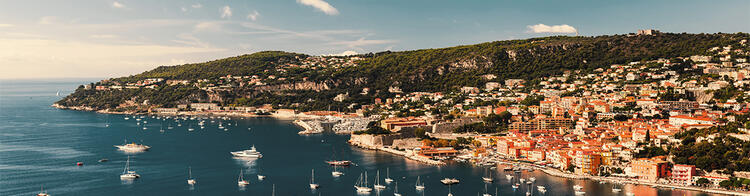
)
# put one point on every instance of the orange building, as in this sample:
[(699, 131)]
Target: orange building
[(588, 162), (650, 169)]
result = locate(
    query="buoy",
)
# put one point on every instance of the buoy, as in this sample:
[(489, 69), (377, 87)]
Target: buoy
[(79, 163)]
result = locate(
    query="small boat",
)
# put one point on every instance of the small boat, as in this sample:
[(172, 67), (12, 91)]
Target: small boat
[(252, 153), (395, 191), (261, 177), (419, 186), (515, 186), (449, 181), (580, 193), (79, 164), (42, 192), (190, 180), (241, 180), (616, 190), (630, 194), (313, 185), (377, 181), (485, 190), (339, 163), (388, 178), (522, 180), (532, 179), (336, 173), (449, 191), (509, 177), (103, 160), (361, 185), (577, 187), (487, 177), (128, 174)]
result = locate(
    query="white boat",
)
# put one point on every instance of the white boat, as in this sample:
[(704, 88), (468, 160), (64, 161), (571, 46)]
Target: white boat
[(540, 188), (509, 177), (128, 174), (580, 193), (313, 185), (42, 192), (133, 147), (419, 186), (485, 190), (395, 191), (388, 178), (190, 180), (515, 186), (361, 184), (532, 179), (336, 173), (449, 181), (616, 190), (241, 180), (577, 187), (252, 153), (487, 177), (630, 194), (522, 180), (377, 181), (261, 177)]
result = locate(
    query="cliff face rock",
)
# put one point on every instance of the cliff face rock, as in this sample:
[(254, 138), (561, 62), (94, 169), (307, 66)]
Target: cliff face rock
[(472, 63)]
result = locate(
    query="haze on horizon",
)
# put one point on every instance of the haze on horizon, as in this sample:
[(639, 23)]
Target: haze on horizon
[(113, 38)]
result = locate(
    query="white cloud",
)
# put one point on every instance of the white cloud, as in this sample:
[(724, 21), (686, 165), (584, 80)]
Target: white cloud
[(116, 4), (362, 42), (197, 5), (542, 28), (253, 16), (104, 36), (321, 5), (47, 20), (345, 53), (226, 12), (6, 25)]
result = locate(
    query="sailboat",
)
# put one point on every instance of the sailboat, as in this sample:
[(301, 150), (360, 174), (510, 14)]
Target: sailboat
[(361, 184), (336, 173), (488, 176), (260, 177), (44, 193), (127, 174), (485, 190), (190, 180), (377, 181), (312, 181), (190, 127), (419, 186), (241, 181), (449, 190), (395, 192), (388, 178)]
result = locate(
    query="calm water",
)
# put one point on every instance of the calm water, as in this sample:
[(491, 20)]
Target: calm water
[(40, 145)]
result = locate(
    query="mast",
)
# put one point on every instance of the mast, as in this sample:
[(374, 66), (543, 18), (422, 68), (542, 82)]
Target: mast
[(312, 180), (127, 165)]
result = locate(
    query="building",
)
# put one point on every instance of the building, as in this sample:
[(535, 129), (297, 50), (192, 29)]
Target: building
[(683, 174), (647, 32), (430, 152), (650, 169), (682, 119), (587, 162), (395, 124), (205, 106), (542, 123)]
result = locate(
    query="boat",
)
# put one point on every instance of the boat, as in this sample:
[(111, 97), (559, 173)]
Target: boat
[(336, 173), (616, 190), (241, 180), (361, 185), (449, 181), (580, 193), (133, 147), (128, 174), (630, 194), (190, 128), (377, 181), (509, 177), (485, 190), (515, 186), (388, 178), (419, 186), (79, 163), (252, 153), (532, 179), (522, 180), (313, 185), (395, 191), (487, 177), (449, 191), (261, 177), (339, 163), (103, 160), (190, 180), (42, 192), (577, 187)]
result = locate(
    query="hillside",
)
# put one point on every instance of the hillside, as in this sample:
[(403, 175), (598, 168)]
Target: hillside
[(443, 69)]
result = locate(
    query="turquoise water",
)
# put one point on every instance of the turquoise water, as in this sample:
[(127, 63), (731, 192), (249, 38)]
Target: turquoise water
[(39, 146)]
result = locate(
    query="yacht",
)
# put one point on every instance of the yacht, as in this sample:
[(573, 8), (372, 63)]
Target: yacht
[(361, 184), (336, 173), (252, 153), (190, 180), (577, 187), (42, 193), (395, 192), (580, 193), (261, 177), (128, 174), (133, 147), (449, 181), (419, 186), (313, 185), (377, 181), (241, 180), (509, 177), (388, 178)]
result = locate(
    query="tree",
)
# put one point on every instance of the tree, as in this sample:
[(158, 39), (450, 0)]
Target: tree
[(725, 184), (571, 167), (420, 133), (702, 181)]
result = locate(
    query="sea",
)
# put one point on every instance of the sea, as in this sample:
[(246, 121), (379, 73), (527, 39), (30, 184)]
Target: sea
[(40, 146)]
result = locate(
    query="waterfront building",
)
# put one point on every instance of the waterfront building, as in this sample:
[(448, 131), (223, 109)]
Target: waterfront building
[(650, 169), (587, 162), (683, 174)]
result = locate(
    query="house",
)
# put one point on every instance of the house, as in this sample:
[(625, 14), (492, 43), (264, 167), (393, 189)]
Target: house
[(650, 169)]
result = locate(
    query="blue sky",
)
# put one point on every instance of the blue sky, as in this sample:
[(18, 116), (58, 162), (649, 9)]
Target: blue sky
[(106, 38)]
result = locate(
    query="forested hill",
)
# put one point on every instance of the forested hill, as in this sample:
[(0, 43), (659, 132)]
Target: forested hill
[(443, 69)]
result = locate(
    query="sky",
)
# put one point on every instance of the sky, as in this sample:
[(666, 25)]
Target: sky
[(106, 38)]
